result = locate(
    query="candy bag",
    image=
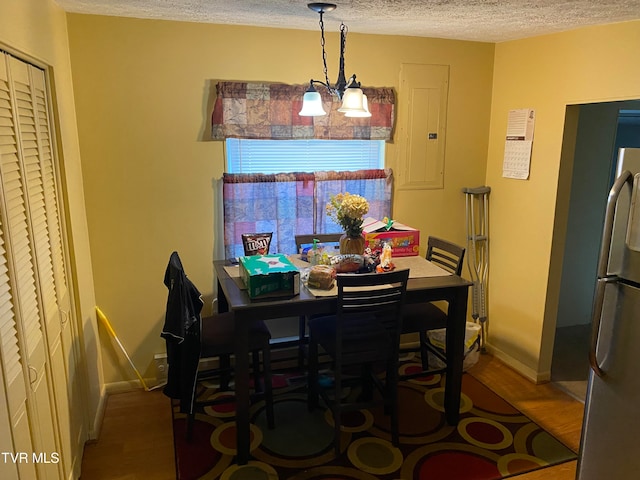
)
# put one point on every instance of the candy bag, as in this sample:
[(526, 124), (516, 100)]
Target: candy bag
[(256, 243)]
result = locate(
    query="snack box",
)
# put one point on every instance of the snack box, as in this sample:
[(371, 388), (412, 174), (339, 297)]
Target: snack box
[(404, 240), (269, 276)]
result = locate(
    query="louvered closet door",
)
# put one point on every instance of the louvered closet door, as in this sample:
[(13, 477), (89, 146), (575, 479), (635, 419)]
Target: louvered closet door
[(35, 135), (13, 374), (13, 358), (23, 269), (65, 365), (8, 470)]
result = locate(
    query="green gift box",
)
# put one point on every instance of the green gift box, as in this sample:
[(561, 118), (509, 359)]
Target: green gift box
[(269, 276)]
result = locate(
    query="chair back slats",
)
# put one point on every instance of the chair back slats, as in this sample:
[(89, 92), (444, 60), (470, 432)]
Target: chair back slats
[(446, 254), (369, 316), (367, 303)]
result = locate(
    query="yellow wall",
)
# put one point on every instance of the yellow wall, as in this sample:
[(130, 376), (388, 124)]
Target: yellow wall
[(547, 73), (144, 91), (36, 30)]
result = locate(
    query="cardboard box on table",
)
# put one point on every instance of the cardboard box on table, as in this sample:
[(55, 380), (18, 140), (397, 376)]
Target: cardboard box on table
[(404, 240), (268, 276)]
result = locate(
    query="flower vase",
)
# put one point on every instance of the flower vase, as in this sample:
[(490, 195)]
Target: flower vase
[(350, 244)]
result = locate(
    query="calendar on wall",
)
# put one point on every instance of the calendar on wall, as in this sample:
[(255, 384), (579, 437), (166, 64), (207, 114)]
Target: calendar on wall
[(517, 147)]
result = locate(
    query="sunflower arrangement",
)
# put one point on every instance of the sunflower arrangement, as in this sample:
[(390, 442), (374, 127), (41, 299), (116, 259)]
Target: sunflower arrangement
[(348, 211)]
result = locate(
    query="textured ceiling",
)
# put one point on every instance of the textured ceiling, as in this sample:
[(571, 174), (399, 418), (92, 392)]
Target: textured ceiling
[(478, 20)]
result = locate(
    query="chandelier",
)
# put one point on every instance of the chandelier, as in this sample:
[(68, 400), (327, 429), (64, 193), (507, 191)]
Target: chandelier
[(354, 102)]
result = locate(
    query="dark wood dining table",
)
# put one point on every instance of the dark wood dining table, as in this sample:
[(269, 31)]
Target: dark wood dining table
[(231, 297)]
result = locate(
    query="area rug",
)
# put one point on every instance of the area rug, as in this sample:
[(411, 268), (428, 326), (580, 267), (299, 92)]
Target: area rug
[(493, 440)]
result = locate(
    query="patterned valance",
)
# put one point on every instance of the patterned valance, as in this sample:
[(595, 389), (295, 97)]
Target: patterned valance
[(270, 111)]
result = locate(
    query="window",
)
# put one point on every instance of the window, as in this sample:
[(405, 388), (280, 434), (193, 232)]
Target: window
[(278, 156), (291, 181)]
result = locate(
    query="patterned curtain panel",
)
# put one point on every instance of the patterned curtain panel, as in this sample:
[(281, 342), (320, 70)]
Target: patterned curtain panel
[(258, 203), (270, 111), (285, 204), (374, 185)]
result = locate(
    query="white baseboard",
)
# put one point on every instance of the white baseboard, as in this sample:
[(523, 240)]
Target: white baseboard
[(527, 372), (129, 386), (96, 426)]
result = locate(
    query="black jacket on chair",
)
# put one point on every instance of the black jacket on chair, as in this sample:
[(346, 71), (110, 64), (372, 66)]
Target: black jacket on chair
[(182, 334)]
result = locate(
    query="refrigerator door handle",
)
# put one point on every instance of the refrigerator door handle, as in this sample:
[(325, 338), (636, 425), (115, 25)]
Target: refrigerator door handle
[(595, 323), (610, 213), (603, 267)]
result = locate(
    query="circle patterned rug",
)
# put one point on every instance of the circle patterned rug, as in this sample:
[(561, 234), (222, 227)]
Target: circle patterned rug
[(493, 440)]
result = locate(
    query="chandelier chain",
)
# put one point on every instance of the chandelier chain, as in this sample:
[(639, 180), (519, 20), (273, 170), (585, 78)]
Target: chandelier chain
[(324, 53), (341, 82)]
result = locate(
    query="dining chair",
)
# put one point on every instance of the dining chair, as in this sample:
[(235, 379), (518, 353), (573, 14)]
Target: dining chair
[(217, 342), (362, 338), (193, 341), (421, 317), (307, 239)]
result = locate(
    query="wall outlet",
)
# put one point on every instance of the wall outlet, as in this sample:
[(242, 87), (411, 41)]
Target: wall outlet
[(162, 368)]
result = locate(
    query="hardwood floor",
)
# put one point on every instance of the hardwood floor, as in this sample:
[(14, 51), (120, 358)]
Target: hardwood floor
[(136, 441), (551, 408)]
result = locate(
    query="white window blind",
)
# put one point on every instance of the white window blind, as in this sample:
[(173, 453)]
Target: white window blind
[(279, 156)]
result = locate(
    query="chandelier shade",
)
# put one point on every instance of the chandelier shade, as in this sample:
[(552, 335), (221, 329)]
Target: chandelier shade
[(312, 104), (353, 103), (357, 112)]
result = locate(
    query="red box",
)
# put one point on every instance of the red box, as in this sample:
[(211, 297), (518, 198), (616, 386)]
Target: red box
[(404, 240)]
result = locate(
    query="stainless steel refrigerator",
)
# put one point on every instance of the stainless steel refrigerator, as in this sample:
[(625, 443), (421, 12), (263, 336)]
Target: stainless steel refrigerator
[(609, 447)]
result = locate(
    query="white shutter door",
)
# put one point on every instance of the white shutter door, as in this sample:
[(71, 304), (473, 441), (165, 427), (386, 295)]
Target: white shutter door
[(14, 410), (44, 133), (31, 156), (76, 425), (8, 470), (17, 223), (47, 236), (11, 355), (55, 239), (24, 202)]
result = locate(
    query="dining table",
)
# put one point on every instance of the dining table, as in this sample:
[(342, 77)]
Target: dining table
[(427, 282)]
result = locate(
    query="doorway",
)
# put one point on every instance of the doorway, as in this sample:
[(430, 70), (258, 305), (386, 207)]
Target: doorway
[(600, 130)]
